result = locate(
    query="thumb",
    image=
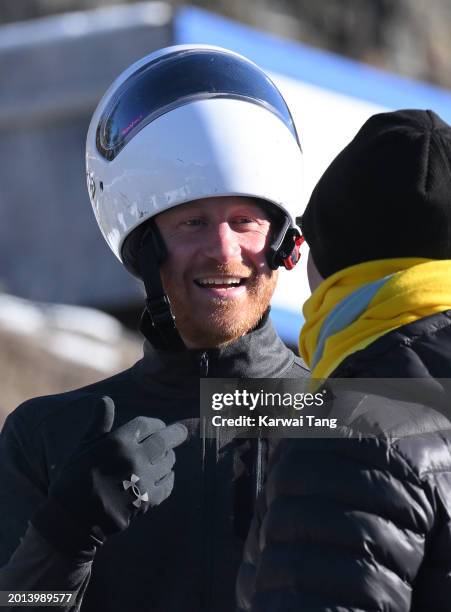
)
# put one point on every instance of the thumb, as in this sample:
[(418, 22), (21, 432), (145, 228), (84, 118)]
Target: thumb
[(101, 422)]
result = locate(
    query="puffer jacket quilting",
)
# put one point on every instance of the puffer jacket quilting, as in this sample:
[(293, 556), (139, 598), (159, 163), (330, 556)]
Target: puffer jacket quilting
[(362, 524)]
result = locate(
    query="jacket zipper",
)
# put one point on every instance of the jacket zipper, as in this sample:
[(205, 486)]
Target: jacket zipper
[(209, 450), (259, 468), (203, 365)]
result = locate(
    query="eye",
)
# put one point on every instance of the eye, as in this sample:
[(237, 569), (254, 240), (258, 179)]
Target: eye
[(193, 222), (246, 223)]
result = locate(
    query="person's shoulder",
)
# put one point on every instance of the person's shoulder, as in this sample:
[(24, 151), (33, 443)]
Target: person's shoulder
[(380, 414), (34, 412), (416, 435), (377, 428), (298, 369)]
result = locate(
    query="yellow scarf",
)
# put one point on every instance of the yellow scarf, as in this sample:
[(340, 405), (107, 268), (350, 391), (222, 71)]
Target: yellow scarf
[(383, 295)]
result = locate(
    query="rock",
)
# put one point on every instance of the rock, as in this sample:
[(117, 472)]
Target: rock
[(48, 348)]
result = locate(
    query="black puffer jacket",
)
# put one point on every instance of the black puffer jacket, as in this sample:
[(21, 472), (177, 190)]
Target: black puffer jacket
[(363, 525), (182, 555)]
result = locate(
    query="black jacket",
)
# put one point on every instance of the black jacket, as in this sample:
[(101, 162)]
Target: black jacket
[(363, 524), (182, 555)]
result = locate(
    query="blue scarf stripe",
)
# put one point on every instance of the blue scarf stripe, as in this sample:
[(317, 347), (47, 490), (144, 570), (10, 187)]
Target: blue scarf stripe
[(346, 312)]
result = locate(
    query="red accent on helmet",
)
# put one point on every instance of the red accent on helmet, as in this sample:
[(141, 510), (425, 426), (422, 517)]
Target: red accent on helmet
[(295, 255)]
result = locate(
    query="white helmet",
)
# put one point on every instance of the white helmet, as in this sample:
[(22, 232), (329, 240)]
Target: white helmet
[(184, 123)]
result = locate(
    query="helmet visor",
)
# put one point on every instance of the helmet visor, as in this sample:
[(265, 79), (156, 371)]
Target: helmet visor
[(179, 78)]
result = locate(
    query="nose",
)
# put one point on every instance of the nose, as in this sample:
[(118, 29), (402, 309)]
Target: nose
[(223, 243)]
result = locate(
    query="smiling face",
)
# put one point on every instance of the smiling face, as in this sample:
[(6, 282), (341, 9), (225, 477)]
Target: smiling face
[(216, 275)]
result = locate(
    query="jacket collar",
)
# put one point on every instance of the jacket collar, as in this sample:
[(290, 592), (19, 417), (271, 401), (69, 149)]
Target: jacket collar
[(258, 354), (421, 349)]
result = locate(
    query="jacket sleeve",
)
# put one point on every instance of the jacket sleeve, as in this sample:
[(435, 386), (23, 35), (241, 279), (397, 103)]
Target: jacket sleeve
[(36, 566), (27, 560), (344, 530)]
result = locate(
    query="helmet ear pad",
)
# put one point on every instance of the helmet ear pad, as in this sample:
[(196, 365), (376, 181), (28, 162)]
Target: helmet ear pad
[(292, 258), (284, 250), (143, 253), (134, 242)]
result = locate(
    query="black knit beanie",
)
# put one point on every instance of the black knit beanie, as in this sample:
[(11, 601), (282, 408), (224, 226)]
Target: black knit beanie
[(386, 195)]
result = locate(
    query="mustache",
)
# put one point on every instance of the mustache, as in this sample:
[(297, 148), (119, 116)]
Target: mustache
[(241, 271)]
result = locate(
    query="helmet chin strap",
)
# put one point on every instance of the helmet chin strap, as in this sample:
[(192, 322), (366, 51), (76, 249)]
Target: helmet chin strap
[(157, 321)]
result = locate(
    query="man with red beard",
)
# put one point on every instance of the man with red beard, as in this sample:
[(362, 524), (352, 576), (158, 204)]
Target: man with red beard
[(193, 165)]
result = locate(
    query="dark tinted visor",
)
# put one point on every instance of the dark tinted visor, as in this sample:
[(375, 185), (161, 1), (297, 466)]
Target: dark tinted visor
[(177, 79)]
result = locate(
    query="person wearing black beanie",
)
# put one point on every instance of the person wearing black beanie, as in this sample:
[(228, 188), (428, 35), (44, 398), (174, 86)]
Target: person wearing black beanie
[(361, 521), (387, 194)]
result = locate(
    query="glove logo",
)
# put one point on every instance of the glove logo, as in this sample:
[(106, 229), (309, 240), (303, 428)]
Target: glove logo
[(140, 497)]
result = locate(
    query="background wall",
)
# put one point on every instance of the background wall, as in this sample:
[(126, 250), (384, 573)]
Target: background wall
[(410, 37), (53, 72)]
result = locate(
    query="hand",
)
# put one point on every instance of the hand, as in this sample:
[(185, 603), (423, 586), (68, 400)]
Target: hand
[(114, 475)]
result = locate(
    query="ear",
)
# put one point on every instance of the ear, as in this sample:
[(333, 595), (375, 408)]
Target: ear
[(314, 277)]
